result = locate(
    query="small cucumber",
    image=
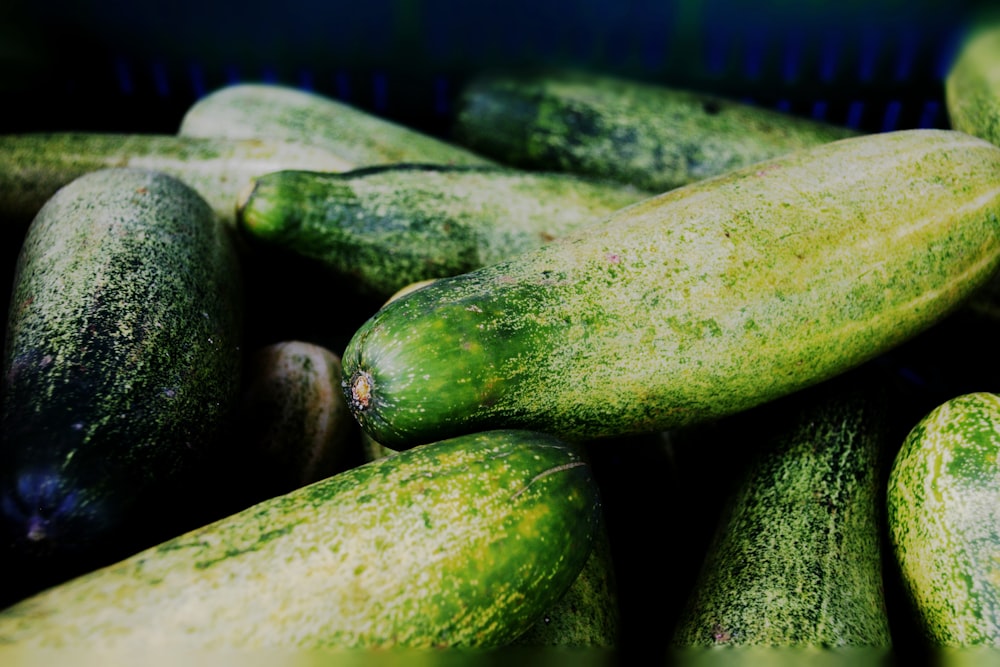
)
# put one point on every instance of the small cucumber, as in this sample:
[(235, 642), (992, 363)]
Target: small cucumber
[(386, 227), (648, 135), (461, 543), (121, 368), (943, 512), (295, 425), (257, 110), (34, 165), (700, 302), (972, 85), (796, 559)]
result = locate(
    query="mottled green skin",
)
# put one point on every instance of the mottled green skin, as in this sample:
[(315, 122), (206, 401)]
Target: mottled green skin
[(972, 86), (648, 135), (296, 428), (386, 227), (587, 615), (796, 558), (943, 513), (462, 543), (254, 110), (697, 303), (121, 360), (34, 165)]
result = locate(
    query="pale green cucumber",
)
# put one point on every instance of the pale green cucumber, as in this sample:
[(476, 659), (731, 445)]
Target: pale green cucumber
[(972, 85), (652, 136), (385, 227), (796, 559), (34, 165), (461, 543), (943, 512), (700, 302), (257, 110)]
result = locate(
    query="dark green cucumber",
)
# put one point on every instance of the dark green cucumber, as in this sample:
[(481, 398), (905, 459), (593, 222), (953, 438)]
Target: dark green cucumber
[(386, 227), (700, 302), (972, 85), (648, 135), (294, 423), (121, 366), (257, 110), (34, 165), (796, 560), (943, 512), (462, 543)]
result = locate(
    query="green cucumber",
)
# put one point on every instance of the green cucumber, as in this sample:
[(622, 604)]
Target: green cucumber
[(34, 165), (121, 365), (461, 543), (700, 302), (294, 422), (796, 560), (257, 110), (386, 227), (943, 511), (648, 135), (972, 85)]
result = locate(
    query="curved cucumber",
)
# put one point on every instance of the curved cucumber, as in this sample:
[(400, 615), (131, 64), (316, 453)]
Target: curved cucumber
[(697, 303), (256, 110), (121, 366), (796, 558), (461, 543), (386, 227), (651, 136), (943, 512), (972, 86), (33, 166)]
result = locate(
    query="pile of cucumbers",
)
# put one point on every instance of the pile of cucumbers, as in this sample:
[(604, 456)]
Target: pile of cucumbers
[(299, 377)]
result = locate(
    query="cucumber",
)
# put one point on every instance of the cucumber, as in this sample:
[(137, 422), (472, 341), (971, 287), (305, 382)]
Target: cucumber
[(256, 110), (972, 84), (385, 227), (461, 543), (121, 365), (34, 165), (295, 425), (697, 303), (943, 505), (796, 560), (648, 135)]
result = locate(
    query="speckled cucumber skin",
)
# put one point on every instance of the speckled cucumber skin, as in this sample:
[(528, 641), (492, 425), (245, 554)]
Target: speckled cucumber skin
[(386, 227), (972, 85), (648, 135), (34, 165), (461, 543), (700, 302), (121, 362), (295, 423), (796, 560), (943, 512), (587, 615), (252, 110)]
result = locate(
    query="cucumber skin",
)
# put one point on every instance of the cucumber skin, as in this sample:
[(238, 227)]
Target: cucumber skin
[(651, 136), (461, 543), (972, 85), (697, 303), (943, 499), (386, 227), (33, 166), (796, 560), (362, 139), (121, 364)]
